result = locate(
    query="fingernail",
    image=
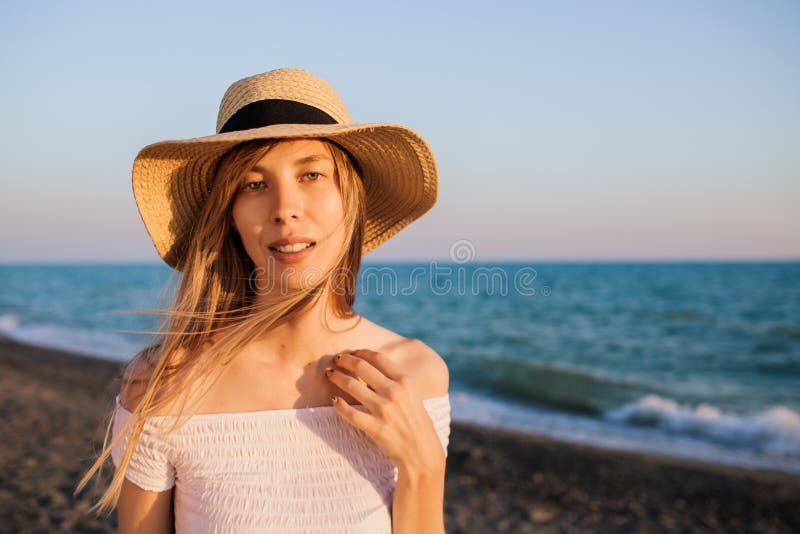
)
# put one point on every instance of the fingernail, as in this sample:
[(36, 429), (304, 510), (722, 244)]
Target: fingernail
[(333, 399), (328, 371)]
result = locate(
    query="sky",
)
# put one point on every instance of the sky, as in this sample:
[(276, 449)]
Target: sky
[(564, 131)]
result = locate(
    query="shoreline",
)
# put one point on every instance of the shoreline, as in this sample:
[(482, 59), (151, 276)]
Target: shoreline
[(521, 431), (53, 404)]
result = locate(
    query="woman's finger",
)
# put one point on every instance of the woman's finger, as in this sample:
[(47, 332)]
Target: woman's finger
[(362, 369), (354, 416), (380, 361), (356, 388)]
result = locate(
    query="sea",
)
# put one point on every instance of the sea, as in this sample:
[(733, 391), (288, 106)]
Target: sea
[(699, 360)]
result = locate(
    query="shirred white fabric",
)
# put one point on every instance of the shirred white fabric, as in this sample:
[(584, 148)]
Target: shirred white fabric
[(290, 470)]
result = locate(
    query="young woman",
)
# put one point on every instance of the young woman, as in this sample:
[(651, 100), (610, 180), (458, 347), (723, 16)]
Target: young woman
[(267, 403)]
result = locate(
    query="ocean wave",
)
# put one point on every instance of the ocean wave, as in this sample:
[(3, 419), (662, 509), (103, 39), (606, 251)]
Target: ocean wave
[(773, 432), (8, 322), (783, 368), (791, 331), (109, 345), (687, 314), (568, 389)]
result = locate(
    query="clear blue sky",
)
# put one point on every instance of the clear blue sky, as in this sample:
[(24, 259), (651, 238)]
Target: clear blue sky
[(562, 130)]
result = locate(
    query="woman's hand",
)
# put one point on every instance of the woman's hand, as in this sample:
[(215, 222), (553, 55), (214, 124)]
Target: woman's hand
[(396, 418)]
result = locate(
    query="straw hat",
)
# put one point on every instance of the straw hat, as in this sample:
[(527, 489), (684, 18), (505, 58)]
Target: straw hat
[(171, 178)]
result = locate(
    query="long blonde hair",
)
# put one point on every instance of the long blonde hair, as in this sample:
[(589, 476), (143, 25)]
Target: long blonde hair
[(216, 297)]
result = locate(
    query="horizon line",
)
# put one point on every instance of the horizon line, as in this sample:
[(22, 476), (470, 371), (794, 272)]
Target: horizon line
[(770, 259)]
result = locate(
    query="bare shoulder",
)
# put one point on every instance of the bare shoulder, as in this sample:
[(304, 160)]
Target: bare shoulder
[(426, 368), (136, 377)]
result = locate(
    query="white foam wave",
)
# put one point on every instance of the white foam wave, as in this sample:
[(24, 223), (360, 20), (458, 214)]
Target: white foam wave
[(773, 432), (8, 322), (107, 345)]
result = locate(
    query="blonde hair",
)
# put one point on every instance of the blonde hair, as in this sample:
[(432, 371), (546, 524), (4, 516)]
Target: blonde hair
[(215, 295)]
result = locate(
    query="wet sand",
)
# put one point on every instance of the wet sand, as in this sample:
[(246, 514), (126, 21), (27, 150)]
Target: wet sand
[(52, 406)]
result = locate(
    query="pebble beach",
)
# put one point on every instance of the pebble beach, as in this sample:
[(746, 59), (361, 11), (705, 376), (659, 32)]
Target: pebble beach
[(53, 406)]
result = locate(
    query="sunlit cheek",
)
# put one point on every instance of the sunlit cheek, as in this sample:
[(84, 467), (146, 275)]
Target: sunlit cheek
[(249, 223), (330, 208), (250, 214)]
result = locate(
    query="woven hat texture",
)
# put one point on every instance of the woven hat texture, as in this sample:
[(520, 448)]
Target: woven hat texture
[(171, 178)]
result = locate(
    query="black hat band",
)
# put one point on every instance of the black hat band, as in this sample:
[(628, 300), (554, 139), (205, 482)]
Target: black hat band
[(275, 111)]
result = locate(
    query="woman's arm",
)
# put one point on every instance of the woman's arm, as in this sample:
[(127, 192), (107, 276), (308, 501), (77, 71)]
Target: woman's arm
[(418, 502), (142, 511), (400, 425)]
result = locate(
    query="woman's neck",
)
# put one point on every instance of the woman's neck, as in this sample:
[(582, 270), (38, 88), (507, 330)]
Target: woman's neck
[(304, 338)]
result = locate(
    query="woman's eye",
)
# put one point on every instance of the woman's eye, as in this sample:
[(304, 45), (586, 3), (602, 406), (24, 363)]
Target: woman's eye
[(252, 186), (313, 176)]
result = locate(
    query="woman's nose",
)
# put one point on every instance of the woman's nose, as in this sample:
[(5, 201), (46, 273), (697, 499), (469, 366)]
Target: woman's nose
[(287, 204)]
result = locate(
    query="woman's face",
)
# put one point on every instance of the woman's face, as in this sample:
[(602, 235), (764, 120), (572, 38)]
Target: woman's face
[(288, 199)]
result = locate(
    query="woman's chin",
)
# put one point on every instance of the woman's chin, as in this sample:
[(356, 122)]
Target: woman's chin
[(278, 278)]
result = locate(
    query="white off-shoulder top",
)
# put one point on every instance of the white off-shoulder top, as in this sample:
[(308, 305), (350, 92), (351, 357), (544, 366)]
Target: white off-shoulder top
[(289, 470)]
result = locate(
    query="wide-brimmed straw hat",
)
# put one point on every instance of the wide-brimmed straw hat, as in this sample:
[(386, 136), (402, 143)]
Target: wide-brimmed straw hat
[(171, 178)]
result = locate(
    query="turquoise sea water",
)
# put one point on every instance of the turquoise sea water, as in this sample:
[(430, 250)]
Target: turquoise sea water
[(692, 359)]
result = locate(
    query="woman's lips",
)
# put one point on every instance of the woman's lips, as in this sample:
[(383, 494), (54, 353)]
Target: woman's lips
[(292, 257)]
